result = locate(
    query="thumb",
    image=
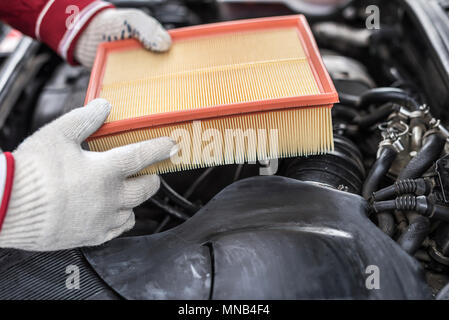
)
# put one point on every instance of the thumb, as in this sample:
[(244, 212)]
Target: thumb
[(80, 123)]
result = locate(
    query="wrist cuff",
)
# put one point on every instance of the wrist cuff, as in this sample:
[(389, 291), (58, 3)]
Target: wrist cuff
[(6, 181), (24, 223), (60, 23)]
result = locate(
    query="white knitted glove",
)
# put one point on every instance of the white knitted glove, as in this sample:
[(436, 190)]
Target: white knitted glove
[(119, 24), (65, 197)]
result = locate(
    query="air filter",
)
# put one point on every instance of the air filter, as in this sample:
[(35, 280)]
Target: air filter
[(229, 92)]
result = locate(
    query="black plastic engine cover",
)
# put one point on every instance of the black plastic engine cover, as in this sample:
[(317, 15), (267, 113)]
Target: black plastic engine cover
[(264, 238)]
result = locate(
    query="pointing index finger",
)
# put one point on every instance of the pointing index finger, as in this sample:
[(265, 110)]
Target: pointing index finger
[(135, 157)]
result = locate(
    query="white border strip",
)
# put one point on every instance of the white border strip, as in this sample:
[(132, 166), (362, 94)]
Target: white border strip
[(41, 16), (83, 16), (3, 175)]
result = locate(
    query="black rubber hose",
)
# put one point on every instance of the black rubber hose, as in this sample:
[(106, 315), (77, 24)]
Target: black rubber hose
[(380, 96), (348, 99), (339, 111), (429, 153), (366, 120), (177, 198), (441, 212), (412, 237), (384, 95), (418, 187), (169, 209), (415, 234), (379, 206), (418, 204), (198, 181), (379, 169), (419, 225), (163, 224), (376, 116), (385, 34)]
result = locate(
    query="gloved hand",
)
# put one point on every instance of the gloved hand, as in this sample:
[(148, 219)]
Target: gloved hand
[(65, 197), (119, 24)]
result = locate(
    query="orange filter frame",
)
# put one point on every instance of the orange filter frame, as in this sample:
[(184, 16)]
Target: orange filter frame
[(327, 95)]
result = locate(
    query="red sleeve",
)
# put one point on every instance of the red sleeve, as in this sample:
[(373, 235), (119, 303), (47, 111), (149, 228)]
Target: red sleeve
[(6, 179), (58, 23)]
